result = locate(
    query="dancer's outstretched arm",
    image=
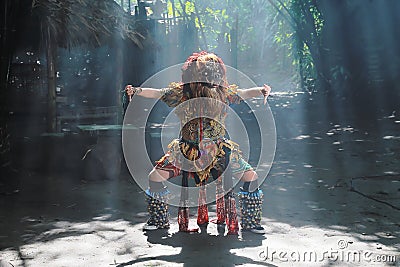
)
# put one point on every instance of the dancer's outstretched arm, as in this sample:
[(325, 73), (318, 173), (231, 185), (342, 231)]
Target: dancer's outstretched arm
[(156, 93), (145, 92), (255, 92)]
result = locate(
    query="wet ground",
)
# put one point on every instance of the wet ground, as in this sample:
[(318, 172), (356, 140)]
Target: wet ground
[(332, 197)]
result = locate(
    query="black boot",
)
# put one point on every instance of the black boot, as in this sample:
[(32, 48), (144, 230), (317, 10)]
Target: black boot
[(157, 207), (250, 210)]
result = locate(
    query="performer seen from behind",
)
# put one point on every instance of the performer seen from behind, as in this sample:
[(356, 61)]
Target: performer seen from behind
[(204, 137)]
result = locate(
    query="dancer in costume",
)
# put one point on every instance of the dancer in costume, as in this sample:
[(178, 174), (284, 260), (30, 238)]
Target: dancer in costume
[(203, 141)]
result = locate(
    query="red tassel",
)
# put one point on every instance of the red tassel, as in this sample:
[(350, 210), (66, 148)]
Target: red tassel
[(183, 220), (202, 210), (220, 203), (219, 195), (231, 216)]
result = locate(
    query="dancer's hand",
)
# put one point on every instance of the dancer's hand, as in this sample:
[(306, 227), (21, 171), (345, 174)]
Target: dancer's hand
[(265, 91), (131, 91)]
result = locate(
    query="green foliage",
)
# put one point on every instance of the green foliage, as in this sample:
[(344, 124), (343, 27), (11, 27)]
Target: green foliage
[(218, 18), (300, 26), (293, 27)]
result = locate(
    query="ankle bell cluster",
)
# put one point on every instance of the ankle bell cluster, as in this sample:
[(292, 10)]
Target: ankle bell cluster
[(250, 208), (158, 208)]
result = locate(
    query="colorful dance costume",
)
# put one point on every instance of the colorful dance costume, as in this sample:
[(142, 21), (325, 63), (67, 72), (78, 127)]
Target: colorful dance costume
[(203, 141)]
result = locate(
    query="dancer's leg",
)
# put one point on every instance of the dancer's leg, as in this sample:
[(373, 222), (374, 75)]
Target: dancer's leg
[(219, 197), (250, 200), (230, 201), (156, 197), (202, 209)]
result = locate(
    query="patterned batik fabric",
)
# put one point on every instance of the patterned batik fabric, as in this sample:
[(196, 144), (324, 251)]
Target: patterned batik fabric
[(250, 208), (172, 160), (202, 139)]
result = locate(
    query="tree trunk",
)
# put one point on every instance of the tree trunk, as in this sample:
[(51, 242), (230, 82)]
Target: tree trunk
[(8, 19), (234, 43), (119, 80), (51, 80), (5, 56)]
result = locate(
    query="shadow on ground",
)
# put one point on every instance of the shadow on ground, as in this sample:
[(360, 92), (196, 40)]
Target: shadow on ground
[(55, 218)]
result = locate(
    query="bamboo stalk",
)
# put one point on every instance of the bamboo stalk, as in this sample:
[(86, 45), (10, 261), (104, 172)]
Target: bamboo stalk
[(173, 12), (288, 17), (119, 80), (185, 15), (203, 36), (51, 83)]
